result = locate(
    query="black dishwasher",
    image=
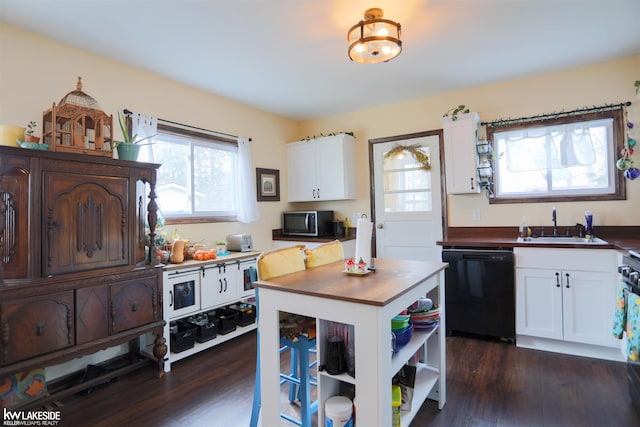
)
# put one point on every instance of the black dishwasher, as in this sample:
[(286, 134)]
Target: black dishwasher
[(480, 291)]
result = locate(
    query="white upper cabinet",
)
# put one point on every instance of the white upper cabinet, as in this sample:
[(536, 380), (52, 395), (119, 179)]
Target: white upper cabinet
[(460, 139), (321, 169)]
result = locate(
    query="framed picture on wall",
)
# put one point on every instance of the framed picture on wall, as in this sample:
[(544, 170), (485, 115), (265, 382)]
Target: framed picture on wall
[(268, 185)]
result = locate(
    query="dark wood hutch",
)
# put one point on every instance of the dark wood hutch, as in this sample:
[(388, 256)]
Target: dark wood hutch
[(75, 275)]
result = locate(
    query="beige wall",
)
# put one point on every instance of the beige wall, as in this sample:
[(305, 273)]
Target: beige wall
[(599, 84), (38, 71), (25, 91)]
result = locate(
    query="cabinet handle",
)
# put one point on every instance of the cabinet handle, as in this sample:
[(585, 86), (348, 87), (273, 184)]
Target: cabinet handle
[(40, 329), (318, 192), (557, 279), (567, 275), (220, 291), (225, 284), (134, 306), (472, 187), (170, 298)]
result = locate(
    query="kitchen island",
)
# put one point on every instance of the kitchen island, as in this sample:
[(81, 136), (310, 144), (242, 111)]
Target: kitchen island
[(368, 303)]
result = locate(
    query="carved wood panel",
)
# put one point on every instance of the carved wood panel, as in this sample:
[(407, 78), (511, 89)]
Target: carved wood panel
[(36, 326), (14, 217), (92, 313), (86, 223), (133, 303)]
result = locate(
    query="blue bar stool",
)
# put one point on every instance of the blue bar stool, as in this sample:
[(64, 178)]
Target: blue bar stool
[(274, 263)]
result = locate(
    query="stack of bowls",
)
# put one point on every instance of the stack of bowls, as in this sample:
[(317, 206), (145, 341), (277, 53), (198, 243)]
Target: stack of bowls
[(424, 314), (402, 330)]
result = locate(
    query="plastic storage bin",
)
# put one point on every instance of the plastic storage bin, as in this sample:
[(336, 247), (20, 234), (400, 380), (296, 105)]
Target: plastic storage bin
[(206, 328), (226, 319), (246, 313), (182, 336)]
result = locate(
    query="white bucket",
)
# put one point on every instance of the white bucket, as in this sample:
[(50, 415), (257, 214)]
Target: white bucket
[(338, 412)]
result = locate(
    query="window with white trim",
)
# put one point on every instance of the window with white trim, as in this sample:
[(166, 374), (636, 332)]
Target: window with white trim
[(567, 158), (198, 178)]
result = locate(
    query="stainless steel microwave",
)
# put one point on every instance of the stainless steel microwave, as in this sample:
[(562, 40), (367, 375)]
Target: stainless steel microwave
[(307, 223)]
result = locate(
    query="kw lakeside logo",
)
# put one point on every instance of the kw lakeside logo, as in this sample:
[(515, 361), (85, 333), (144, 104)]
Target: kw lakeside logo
[(30, 418)]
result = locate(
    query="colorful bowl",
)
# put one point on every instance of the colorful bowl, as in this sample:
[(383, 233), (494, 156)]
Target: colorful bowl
[(403, 336), (400, 322), (33, 145)]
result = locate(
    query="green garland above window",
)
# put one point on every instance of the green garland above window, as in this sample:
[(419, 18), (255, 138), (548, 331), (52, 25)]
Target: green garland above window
[(414, 150), (323, 135)]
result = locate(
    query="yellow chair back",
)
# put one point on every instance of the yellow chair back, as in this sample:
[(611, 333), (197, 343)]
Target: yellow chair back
[(324, 254), (280, 261)]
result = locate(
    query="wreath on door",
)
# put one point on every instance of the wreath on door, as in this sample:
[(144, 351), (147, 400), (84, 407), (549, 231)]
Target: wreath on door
[(414, 150)]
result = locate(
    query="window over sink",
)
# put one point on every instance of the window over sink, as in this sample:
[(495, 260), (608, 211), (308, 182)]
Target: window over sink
[(565, 158)]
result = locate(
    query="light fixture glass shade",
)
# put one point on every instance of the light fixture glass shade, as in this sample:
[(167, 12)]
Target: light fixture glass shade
[(374, 39)]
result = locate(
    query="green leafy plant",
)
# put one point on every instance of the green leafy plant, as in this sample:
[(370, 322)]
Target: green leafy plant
[(31, 128), (460, 109), (414, 150), (637, 85), (323, 135), (128, 138)]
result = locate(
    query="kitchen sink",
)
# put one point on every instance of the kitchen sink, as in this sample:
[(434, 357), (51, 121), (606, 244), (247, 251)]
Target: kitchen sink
[(567, 240)]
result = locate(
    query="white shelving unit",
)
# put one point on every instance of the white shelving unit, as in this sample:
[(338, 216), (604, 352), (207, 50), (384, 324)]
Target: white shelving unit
[(216, 284), (375, 365), (430, 347)]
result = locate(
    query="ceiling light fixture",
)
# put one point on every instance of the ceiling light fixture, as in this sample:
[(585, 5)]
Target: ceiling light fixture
[(374, 39)]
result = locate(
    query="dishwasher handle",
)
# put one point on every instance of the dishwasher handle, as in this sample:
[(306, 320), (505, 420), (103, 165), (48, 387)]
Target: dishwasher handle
[(476, 255)]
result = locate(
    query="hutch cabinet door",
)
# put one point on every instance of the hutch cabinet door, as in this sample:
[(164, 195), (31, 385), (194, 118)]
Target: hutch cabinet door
[(85, 222), (15, 243), (36, 326), (134, 303)]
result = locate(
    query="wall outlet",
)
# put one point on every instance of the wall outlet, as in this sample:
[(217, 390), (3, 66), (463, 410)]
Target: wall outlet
[(475, 214)]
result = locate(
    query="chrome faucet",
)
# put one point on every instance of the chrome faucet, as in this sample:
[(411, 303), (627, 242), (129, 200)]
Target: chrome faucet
[(555, 223)]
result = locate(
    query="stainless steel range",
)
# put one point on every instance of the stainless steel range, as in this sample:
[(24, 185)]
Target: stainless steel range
[(630, 274)]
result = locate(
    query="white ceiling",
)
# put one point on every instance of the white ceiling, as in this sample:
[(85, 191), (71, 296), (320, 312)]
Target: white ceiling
[(289, 57)]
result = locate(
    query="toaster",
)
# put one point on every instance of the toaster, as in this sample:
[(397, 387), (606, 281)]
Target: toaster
[(239, 242)]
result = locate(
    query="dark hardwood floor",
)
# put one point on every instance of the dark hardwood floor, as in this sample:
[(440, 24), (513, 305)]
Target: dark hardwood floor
[(489, 383)]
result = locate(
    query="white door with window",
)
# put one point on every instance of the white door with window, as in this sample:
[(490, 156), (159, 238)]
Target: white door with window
[(408, 204)]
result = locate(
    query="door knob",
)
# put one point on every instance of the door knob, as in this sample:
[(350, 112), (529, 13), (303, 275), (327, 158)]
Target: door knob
[(380, 225)]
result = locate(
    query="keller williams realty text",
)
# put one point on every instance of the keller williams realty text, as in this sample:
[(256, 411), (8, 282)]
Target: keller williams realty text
[(30, 418)]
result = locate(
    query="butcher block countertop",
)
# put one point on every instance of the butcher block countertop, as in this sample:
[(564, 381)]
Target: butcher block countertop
[(391, 279), (620, 238)]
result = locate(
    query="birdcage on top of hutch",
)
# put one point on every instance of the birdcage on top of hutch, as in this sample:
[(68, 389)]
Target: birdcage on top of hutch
[(77, 125)]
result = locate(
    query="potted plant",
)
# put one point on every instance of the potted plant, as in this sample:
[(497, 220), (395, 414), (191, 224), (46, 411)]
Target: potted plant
[(28, 134), (460, 109), (637, 85), (129, 147), (221, 247)]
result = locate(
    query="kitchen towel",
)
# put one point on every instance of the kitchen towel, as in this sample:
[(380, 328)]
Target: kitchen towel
[(620, 314), (363, 240), (633, 327)]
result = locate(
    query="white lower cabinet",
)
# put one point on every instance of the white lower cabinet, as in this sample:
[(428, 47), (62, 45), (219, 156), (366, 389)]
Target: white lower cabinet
[(565, 300), (193, 288)]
